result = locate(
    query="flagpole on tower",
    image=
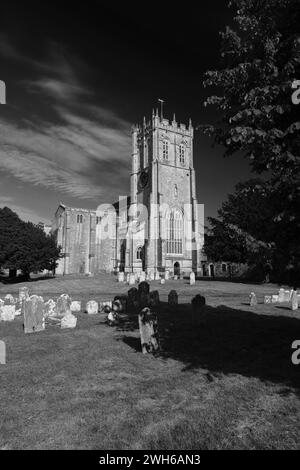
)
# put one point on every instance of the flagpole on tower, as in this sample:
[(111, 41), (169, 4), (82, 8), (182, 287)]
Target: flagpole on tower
[(161, 107)]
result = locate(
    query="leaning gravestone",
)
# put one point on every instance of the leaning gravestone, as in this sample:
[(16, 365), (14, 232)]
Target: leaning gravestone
[(173, 298), (7, 312), (294, 300), (63, 305), (253, 299), (34, 319), (92, 307), (154, 299), (2, 352), (192, 279), (75, 306), (68, 321), (148, 331)]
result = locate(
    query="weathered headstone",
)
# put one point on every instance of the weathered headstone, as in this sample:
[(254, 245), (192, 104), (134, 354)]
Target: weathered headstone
[(154, 299), (253, 299), (7, 312), (131, 281), (127, 278), (63, 305), (75, 306), (167, 275), (267, 299), (50, 308), (2, 352), (149, 331), (281, 295), (287, 295), (275, 298), (192, 279), (157, 276), (68, 321), (142, 277), (9, 300), (34, 319), (162, 281), (173, 298), (294, 300), (175, 277), (198, 307), (92, 307), (121, 276), (23, 293)]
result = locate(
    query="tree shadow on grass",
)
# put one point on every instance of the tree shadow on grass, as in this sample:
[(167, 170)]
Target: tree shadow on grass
[(227, 340)]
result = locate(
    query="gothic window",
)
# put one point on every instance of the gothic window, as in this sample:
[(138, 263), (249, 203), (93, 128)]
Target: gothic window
[(165, 150), (98, 220), (174, 232), (139, 253), (79, 219), (182, 154)]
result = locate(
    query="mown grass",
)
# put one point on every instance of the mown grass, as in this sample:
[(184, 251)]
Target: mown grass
[(227, 383)]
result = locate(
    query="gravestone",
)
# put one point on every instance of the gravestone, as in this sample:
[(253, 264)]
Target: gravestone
[(133, 302), (121, 276), (50, 308), (92, 307), (173, 298), (142, 277), (127, 278), (63, 305), (192, 279), (9, 300), (162, 281), (167, 275), (23, 293), (287, 295), (2, 353), (175, 277), (267, 299), (148, 331), (198, 304), (154, 299), (7, 312), (275, 299), (123, 300), (131, 279), (253, 299), (75, 306), (281, 295), (143, 294), (294, 300), (157, 276), (68, 321), (34, 319)]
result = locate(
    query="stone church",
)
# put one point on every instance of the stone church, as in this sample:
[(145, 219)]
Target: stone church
[(158, 227)]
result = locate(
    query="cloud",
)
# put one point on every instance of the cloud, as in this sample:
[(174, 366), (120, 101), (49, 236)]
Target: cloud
[(23, 212)]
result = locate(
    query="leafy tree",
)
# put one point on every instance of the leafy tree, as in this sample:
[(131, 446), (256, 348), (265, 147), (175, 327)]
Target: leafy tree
[(260, 60), (25, 246)]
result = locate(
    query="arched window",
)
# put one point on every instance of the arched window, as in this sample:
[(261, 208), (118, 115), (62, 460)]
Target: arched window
[(181, 154), (165, 150), (139, 253), (174, 232), (79, 219)]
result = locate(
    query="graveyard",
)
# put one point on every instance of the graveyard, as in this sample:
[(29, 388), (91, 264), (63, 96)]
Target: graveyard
[(220, 380)]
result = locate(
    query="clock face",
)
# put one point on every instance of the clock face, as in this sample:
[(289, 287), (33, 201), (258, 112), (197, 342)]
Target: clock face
[(144, 178)]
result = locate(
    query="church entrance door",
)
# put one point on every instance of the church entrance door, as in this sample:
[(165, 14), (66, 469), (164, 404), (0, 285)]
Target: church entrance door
[(176, 269)]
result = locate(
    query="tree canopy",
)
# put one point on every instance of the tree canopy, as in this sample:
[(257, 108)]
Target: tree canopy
[(24, 246)]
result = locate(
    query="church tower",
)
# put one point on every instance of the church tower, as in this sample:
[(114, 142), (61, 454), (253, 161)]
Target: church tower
[(165, 235)]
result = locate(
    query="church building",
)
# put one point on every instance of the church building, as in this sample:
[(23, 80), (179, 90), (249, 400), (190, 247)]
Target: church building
[(158, 227)]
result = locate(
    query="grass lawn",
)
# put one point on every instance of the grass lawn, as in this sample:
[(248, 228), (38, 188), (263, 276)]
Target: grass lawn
[(225, 384)]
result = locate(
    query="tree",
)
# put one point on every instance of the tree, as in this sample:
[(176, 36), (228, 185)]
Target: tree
[(25, 246), (260, 60)]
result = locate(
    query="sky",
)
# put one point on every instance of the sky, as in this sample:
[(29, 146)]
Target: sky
[(79, 74)]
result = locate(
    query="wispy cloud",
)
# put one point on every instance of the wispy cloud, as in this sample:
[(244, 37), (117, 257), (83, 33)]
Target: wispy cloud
[(23, 212), (84, 154)]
